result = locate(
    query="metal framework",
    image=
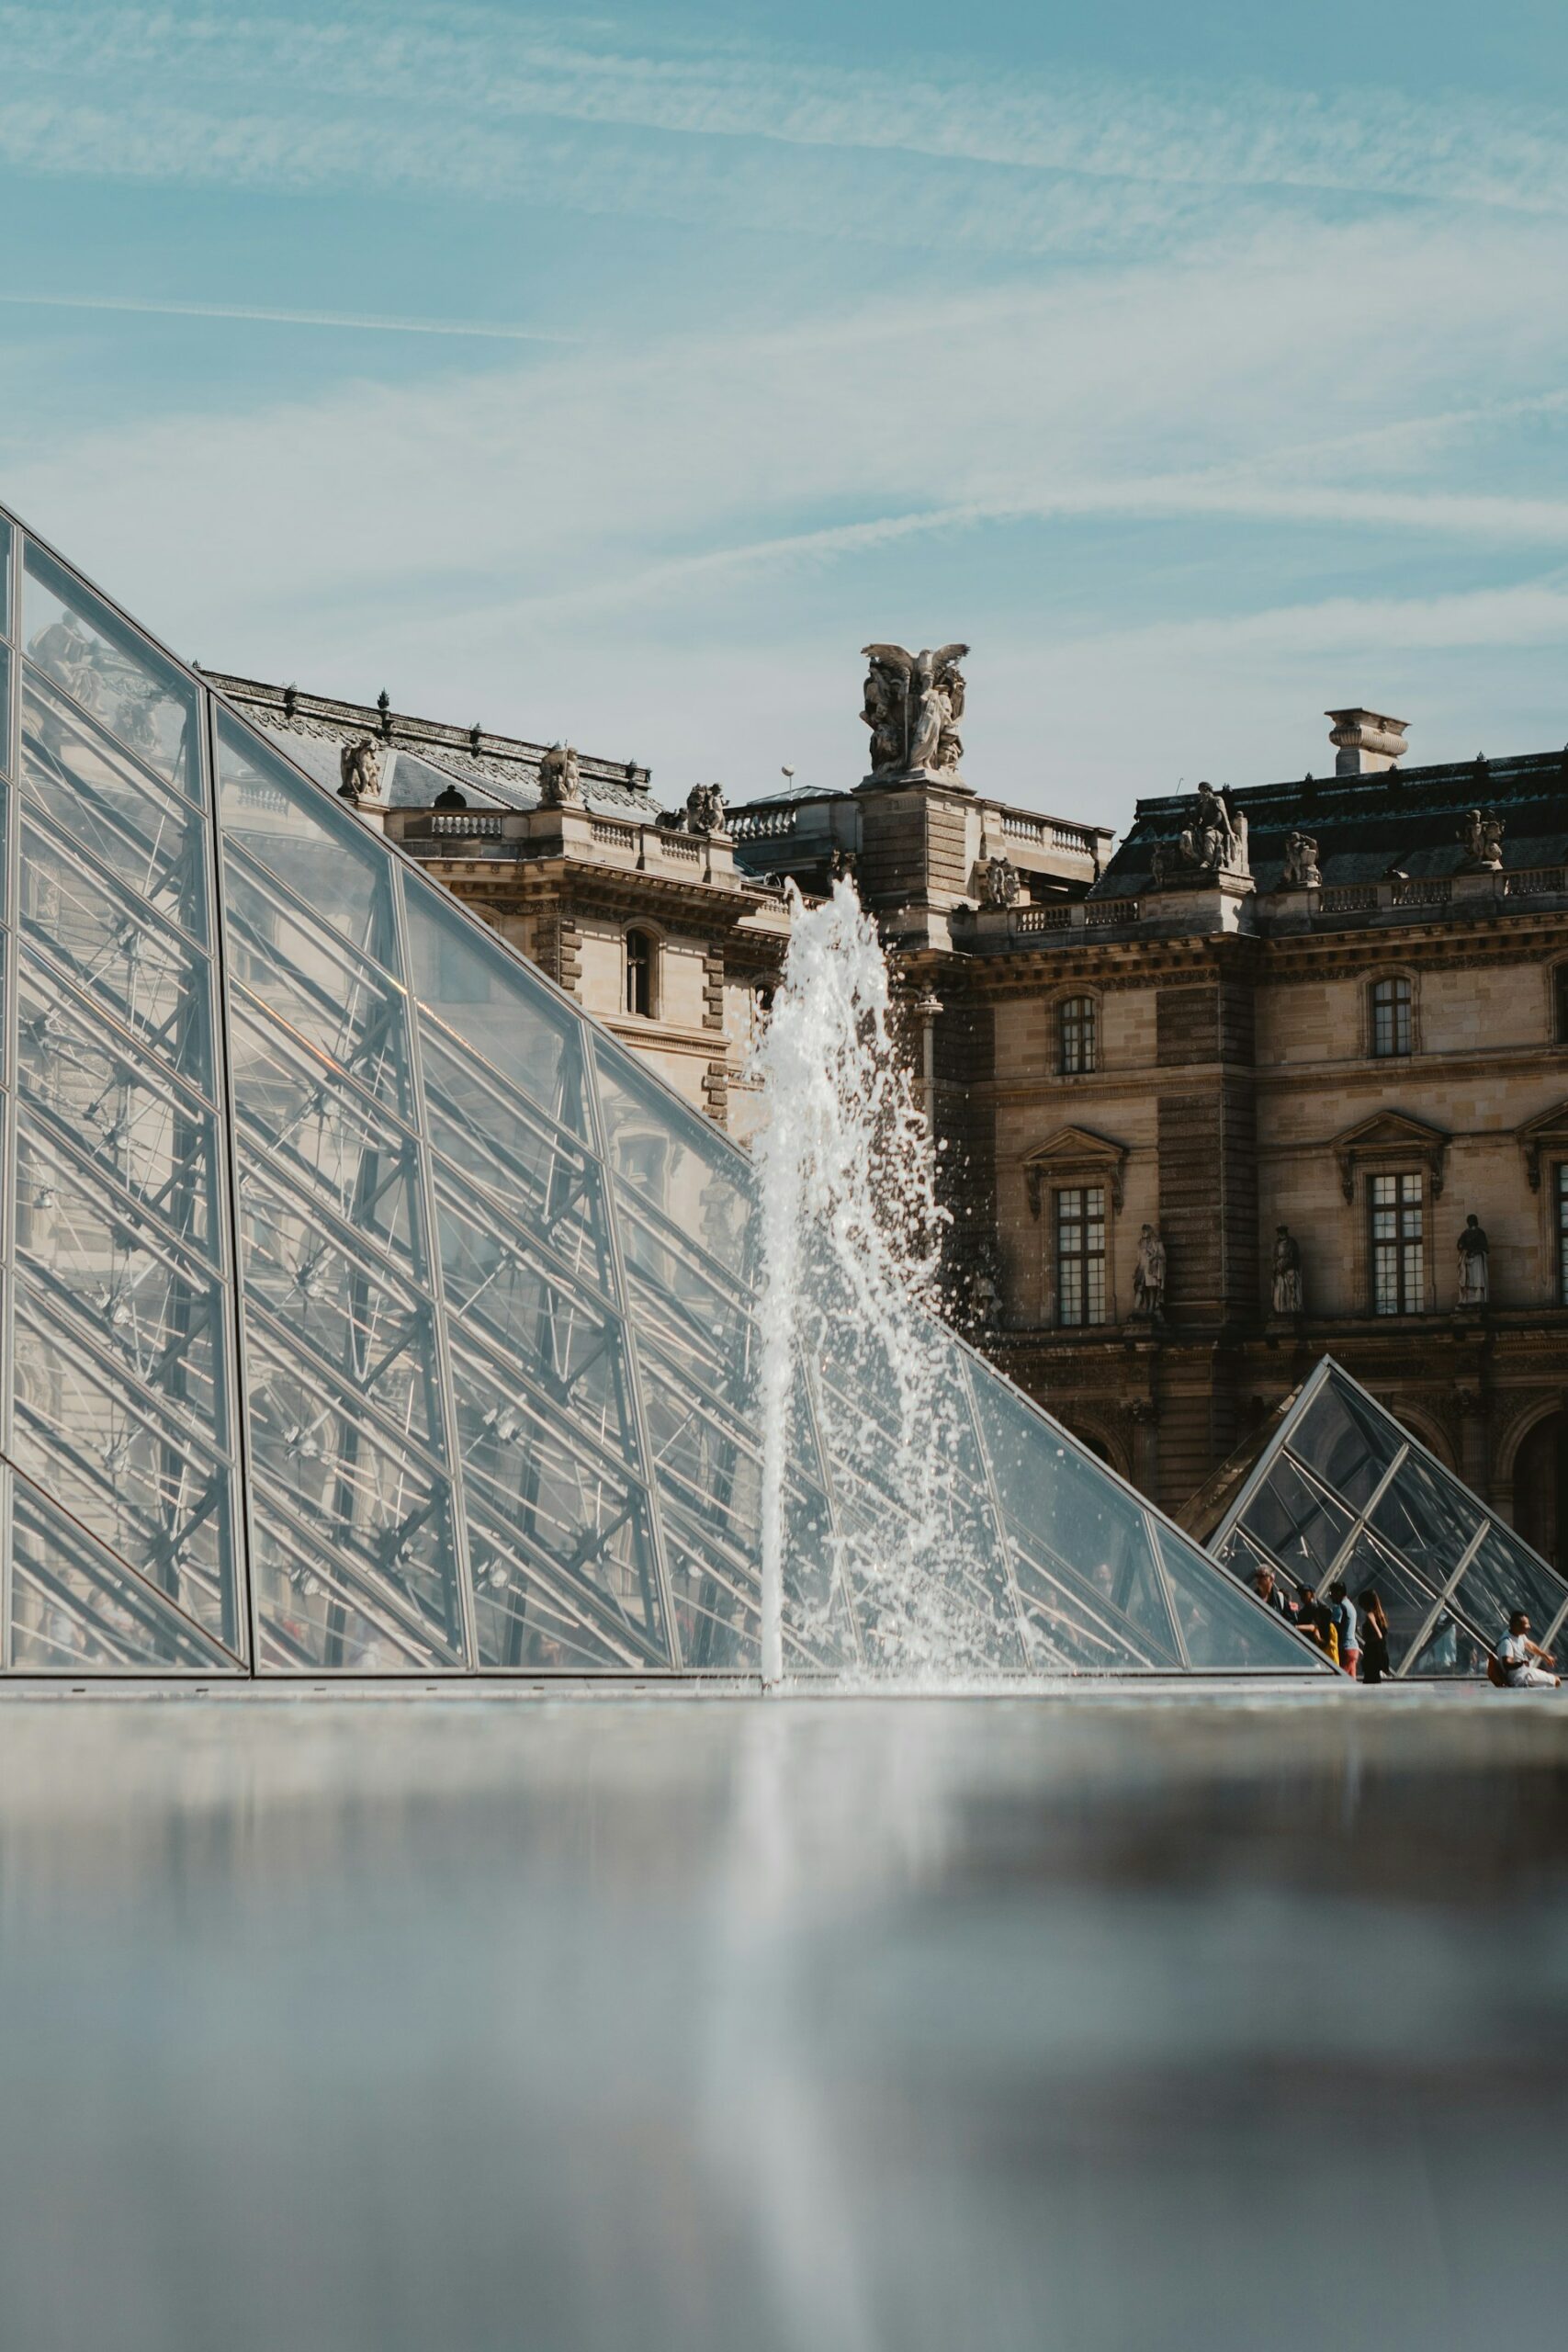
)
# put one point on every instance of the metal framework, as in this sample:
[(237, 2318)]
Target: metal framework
[(368, 1311), (1342, 1491)]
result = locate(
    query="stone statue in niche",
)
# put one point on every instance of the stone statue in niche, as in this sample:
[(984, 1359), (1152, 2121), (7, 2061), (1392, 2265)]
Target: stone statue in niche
[(912, 705), (1473, 1249), (984, 1293), (1287, 1296), (705, 808), (1212, 844), (359, 765), (1300, 870), (1001, 882), (1480, 834), (560, 782), (1148, 1277)]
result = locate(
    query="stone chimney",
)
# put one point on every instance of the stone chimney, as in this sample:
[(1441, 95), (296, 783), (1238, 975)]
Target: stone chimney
[(1366, 741)]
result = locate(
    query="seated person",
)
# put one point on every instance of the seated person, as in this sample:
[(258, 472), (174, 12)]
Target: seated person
[(1522, 1660)]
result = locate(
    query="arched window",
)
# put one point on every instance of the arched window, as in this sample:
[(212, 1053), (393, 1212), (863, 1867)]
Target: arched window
[(1391, 1016), (640, 952), (1076, 1035)]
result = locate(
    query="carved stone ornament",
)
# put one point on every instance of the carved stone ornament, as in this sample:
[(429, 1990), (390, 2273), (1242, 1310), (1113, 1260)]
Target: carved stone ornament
[(1212, 844), (1002, 884), (912, 704), (560, 783), (1074, 1156), (705, 808), (1544, 1138), (1300, 870), (359, 767), (1390, 1141), (1481, 833)]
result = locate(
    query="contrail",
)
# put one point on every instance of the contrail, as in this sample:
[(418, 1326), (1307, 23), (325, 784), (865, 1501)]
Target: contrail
[(287, 317)]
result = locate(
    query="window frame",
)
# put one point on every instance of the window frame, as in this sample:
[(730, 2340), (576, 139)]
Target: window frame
[(649, 966), (1560, 1195), (1083, 1303), (1401, 999), (1403, 1248), (1077, 1014)]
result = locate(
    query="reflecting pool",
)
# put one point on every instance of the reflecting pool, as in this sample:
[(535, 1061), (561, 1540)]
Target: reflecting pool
[(352, 2026)]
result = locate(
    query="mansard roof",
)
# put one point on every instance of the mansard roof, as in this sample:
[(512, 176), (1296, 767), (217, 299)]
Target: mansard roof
[(421, 757), (1405, 819)]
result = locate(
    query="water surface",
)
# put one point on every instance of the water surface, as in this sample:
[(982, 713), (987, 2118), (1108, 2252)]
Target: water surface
[(359, 2026)]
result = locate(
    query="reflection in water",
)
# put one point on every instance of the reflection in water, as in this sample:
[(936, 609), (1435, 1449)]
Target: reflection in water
[(1107, 2023)]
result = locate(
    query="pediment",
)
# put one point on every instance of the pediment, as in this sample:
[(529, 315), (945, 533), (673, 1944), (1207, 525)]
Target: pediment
[(1543, 1138), (1074, 1151), (1385, 1137)]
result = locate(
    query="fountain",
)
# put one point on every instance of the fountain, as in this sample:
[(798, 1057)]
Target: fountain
[(855, 1358)]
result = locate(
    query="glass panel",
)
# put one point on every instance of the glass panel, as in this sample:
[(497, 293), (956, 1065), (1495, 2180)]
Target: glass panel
[(1291, 1517), (694, 1320), (572, 1350), (1220, 1624), (1069, 1632), (6, 543), (76, 1610), (479, 992), (1450, 1653), (539, 1178), (1346, 1440), (135, 1122), (1505, 1575), (294, 1107), (540, 1615), (672, 1160), (570, 1509), (717, 1598), (306, 840), (160, 1313), (81, 783), (110, 672), (325, 994), (1407, 1604), (127, 1470), (348, 1314), (147, 975), (1430, 1518), (5, 708), (355, 1567)]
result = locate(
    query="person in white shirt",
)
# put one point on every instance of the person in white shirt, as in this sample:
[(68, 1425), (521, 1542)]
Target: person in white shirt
[(1516, 1655)]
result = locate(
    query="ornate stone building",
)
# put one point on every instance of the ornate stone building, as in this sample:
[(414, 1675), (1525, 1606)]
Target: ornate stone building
[(1289, 1076), (641, 914)]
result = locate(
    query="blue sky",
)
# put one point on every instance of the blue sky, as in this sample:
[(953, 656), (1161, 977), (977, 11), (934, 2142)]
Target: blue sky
[(1202, 366)]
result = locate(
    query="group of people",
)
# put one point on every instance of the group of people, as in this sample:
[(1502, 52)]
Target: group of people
[(1353, 1635)]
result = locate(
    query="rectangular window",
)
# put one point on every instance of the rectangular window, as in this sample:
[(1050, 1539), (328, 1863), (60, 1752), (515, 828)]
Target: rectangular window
[(1391, 1017), (1560, 1003), (1562, 1234), (1080, 1255), (1399, 1272), (1077, 1035)]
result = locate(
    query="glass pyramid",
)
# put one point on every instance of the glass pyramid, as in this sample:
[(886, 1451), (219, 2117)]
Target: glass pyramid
[(368, 1309), (1343, 1490)]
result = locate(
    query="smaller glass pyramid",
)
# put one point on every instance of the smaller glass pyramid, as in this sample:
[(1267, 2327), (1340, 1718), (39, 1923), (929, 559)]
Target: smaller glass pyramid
[(1342, 1490)]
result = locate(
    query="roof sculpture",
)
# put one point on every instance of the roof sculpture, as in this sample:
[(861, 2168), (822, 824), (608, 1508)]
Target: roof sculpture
[(370, 1311), (1341, 1489)]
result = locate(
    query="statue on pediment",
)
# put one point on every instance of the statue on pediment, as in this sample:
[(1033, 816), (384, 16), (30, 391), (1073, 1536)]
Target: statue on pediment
[(1003, 884), (912, 704), (1148, 1277), (1300, 870), (1213, 843), (1474, 1250), (1481, 833), (561, 781), (359, 767), (705, 808)]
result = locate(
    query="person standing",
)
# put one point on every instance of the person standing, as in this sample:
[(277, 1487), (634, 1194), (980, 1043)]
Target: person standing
[(1524, 1661), (1374, 1637), (1342, 1608), (1265, 1585)]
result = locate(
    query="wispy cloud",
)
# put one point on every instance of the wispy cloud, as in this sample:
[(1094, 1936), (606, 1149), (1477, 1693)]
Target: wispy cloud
[(141, 306)]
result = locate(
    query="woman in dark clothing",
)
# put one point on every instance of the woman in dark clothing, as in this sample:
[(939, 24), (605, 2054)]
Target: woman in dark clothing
[(1374, 1638)]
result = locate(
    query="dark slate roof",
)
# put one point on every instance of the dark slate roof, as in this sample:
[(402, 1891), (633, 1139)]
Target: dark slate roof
[(420, 757), (1405, 819)]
